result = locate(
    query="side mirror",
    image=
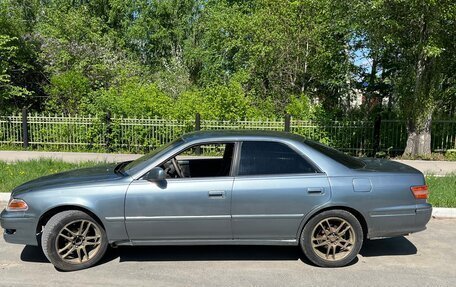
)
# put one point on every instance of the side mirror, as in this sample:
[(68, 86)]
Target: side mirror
[(156, 174)]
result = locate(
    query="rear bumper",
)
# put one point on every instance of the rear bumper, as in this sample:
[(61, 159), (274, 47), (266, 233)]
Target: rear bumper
[(423, 213), (18, 228), (401, 222)]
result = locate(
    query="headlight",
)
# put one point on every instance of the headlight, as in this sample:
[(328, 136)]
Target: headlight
[(17, 205)]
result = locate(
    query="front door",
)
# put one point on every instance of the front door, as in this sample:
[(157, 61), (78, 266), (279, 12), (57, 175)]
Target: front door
[(191, 204)]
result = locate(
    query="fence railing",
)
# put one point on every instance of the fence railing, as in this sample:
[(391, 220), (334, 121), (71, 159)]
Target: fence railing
[(105, 133)]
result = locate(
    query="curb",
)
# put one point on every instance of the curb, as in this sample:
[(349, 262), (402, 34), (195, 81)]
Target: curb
[(4, 196), (441, 212), (437, 212)]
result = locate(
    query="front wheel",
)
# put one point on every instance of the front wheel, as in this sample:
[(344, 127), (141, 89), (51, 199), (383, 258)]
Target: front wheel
[(332, 238), (73, 240)]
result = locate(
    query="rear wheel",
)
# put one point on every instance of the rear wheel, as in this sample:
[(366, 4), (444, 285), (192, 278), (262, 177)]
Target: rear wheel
[(332, 238), (73, 240)]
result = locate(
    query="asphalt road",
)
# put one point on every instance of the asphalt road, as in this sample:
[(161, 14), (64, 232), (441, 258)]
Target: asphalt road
[(424, 259)]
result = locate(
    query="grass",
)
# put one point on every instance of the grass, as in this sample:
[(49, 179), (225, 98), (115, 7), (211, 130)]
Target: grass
[(14, 174), (443, 189)]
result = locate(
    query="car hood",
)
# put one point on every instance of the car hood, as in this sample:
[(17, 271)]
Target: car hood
[(384, 165), (71, 178)]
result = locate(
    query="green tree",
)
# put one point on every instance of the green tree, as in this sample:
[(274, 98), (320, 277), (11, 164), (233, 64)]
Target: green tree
[(412, 46), (8, 89), (20, 71), (285, 47)]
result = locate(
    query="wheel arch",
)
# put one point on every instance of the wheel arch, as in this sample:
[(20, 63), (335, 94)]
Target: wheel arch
[(44, 218), (359, 216)]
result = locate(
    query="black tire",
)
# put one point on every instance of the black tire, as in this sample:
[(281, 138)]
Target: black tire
[(50, 237), (331, 240)]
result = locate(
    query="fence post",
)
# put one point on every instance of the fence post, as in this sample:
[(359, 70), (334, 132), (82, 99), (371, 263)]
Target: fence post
[(25, 137), (287, 122), (377, 128), (197, 122), (108, 131), (197, 128)]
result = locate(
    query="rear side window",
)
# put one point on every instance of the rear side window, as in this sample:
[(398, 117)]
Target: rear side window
[(263, 158), (336, 155)]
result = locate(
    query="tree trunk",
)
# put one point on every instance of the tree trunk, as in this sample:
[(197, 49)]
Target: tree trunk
[(419, 138), (418, 126)]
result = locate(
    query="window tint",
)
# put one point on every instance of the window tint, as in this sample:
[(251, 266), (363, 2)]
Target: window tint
[(259, 158), (336, 155)]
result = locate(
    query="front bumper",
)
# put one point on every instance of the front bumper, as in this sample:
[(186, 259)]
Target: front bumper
[(18, 228)]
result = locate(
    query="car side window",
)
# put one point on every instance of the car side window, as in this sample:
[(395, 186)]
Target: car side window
[(266, 158), (203, 160)]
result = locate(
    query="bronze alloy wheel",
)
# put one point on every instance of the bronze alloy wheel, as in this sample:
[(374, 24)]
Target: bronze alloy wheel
[(78, 241), (73, 240), (332, 238)]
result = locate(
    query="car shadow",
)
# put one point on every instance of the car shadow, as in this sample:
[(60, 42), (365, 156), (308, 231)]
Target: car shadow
[(206, 253), (388, 247), (382, 247), (33, 254)]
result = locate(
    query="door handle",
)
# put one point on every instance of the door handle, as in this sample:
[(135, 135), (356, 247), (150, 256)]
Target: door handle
[(216, 194), (315, 190)]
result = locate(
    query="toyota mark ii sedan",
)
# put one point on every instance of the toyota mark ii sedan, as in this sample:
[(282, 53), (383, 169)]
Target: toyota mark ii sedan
[(221, 187)]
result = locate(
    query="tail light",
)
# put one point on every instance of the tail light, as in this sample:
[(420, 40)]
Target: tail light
[(420, 191), (17, 205)]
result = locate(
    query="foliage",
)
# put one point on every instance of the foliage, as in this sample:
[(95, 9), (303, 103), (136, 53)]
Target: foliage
[(231, 59), (220, 102), (284, 47), (451, 154), (66, 91), (8, 54), (300, 107), (132, 98), (411, 47)]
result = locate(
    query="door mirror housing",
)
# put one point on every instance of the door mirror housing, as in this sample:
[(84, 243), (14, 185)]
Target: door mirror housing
[(156, 174)]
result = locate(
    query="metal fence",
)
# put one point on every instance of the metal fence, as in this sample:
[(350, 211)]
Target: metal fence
[(103, 133)]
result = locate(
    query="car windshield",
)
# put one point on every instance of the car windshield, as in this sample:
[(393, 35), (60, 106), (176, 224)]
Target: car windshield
[(142, 162), (336, 155)]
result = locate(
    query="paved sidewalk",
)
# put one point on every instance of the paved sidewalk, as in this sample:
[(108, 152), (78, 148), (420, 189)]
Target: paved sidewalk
[(12, 156), (425, 166), (434, 167)]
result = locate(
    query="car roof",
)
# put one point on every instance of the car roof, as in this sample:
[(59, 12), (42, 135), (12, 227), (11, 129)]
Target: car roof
[(240, 135)]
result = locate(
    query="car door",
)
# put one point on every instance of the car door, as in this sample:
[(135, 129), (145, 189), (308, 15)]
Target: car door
[(274, 189), (179, 209)]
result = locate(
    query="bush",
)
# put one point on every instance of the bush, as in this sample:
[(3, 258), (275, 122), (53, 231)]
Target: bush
[(450, 154), (300, 107), (132, 99), (221, 102), (66, 91)]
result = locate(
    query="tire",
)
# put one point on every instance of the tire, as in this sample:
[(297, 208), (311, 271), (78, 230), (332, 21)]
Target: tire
[(332, 238), (81, 239)]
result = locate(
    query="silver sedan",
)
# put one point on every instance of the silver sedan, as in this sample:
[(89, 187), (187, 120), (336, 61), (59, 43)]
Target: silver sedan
[(221, 187)]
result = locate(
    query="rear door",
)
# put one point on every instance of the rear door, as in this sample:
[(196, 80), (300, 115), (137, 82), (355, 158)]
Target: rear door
[(275, 187)]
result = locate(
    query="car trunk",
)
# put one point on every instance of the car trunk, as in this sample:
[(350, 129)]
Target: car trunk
[(384, 165)]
